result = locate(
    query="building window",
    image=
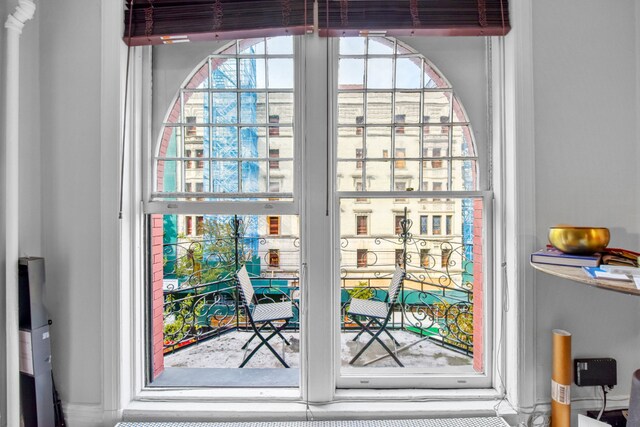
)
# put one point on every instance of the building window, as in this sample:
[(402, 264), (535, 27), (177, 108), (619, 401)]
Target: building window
[(274, 130), (400, 162), (397, 222), (274, 258), (362, 225), (446, 254), (362, 258), (200, 153), (448, 224), (444, 129), (436, 226), (359, 129), (424, 258), (274, 225), (400, 120), (274, 153), (188, 225), (199, 225), (359, 155), (423, 224), (400, 257), (436, 163), (191, 130)]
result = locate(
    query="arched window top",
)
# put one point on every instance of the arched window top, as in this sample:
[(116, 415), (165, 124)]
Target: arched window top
[(231, 117), (400, 124)]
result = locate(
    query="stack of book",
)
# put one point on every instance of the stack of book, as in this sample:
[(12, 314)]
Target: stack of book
[(551, 255)]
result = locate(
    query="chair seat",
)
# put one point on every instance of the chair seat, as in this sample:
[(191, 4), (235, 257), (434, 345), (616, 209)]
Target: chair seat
[(265, 312), (367, 307)]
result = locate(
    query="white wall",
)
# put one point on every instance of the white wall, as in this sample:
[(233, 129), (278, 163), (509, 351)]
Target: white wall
[(3, 379), (586, 108), (70, 77)]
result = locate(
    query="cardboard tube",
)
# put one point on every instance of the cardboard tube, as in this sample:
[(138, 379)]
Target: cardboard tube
[(634, 401), (561, 379)]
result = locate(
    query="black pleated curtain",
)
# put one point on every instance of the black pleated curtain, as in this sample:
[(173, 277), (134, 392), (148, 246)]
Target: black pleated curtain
[(149, 22), (340, 18)]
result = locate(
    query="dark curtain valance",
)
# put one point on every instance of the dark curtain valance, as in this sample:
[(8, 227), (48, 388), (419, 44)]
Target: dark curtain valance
[(150, 22), (413, 17)]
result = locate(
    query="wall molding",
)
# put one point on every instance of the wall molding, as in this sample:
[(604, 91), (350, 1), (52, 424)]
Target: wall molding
[(78, 414), (519, 208)]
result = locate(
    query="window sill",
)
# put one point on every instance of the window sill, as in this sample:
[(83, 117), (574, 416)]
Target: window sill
[(266, 405)]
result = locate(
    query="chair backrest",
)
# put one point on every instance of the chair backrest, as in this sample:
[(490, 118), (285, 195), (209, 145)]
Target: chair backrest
[(394, 286), (245, 286)]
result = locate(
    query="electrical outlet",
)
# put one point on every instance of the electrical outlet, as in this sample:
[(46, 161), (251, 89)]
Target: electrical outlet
[(595, 372)]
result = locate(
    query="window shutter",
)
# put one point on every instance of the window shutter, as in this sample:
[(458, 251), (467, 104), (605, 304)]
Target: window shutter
[(413, 17), (178, 21)]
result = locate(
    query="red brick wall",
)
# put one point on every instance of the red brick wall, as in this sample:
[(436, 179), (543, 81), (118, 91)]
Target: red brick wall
[(157, 321), (478, 287)]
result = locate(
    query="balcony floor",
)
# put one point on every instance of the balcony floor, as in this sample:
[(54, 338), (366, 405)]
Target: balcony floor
[(222, 355)]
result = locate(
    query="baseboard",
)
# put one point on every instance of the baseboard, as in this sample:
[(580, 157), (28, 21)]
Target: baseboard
[(83, 415)]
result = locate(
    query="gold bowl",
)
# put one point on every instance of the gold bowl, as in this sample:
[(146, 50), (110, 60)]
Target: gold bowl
[(579, 240)]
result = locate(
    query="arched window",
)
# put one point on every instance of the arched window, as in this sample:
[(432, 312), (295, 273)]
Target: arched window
[(230, 186), (232, 117), (406, 157)]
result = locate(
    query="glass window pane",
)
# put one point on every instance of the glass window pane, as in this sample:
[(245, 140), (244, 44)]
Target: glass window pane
[(437, 105), (169, 176), (196, 106), (462, 141), (280, 45), (254, 177), (378, 144), (408, 105), (380, 73), (378, 175), (350, 108), (407, 172), (350, 139), (433, 80), (379, 107), (281, 105), (283, 143), (282, 175), (253, 107), (437, 296), (252, 73), (224, 73), (224, 176), (224, 142), (253, 142), (171, 144), (409, 141), (352, 45), (464, 175), (280, 73), (251, 46), (408, 72), (199, 80), (459, 115), (380, 46), (348, 177), (435, 170), (224, 107), (351, 73)]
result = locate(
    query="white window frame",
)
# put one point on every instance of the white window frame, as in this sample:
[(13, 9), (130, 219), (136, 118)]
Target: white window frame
[(379, 378), (122, 265)]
